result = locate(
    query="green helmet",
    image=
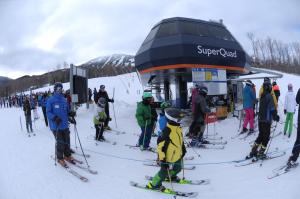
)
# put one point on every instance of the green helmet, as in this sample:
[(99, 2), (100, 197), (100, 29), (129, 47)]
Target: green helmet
[(147, 95), (165, 105)]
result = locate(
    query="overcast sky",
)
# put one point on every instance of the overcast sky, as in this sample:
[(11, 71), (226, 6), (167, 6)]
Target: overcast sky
[(36, 35)]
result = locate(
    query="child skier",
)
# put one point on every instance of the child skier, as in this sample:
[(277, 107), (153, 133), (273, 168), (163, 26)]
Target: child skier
[(100, 118), (267, 111), (170, 151), (289, 110)]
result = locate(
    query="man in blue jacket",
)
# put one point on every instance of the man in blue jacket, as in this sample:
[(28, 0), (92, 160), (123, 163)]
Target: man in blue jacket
[(58, 113)]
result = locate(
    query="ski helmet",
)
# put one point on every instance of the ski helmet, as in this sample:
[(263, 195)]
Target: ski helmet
[(267, 87), (267, 79), (165, 105), (147, 95), (101, 102), (102, 87), (203, 90), (174, 115), (58, 87)]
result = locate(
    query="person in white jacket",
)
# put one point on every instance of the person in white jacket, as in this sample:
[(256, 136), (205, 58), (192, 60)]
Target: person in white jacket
[(289, 110)]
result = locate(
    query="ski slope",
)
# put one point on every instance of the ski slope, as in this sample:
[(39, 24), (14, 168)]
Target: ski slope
[(28, 172)]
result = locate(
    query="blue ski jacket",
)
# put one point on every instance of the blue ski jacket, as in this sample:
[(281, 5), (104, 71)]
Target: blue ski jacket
[(248, 97), (57, 105)]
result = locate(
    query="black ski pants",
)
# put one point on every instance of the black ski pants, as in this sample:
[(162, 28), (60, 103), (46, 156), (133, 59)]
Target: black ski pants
[(264, 133), (45, 115), (296, 148), (62, 143)]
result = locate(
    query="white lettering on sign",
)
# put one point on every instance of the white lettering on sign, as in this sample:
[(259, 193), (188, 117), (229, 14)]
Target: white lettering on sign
[(223, 52)]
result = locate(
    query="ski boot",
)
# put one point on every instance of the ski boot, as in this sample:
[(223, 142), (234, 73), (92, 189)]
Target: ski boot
[(291, 162), (62, 163), (251, 131), (253, 152), (107, 128), (244, 130), (70, 159), (72, 151), (261, 153), (158, 188), (102, 139)]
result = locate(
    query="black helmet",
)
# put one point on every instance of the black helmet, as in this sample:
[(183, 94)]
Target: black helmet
[(274, 83), (58, 87), (203, 90), (174, 115), (101, 102), (102, 87), (267, 87), (267, 79)]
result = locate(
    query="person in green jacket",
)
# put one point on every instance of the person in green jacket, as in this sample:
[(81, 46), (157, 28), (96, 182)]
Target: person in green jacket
[(143, 116)]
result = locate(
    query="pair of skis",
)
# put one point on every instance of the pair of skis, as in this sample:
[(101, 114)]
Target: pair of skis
[(78, 164), (282, 170), (173, 192), (151, 149)]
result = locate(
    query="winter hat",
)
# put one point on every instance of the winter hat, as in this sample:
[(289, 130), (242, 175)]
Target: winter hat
[(249, 82), (147, 95), (174, 115), (290, 87), (58, 87), (274, 83), (203, 90), (165, 105)]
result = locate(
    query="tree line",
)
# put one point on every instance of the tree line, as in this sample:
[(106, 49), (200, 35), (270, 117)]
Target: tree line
[(274, 54)]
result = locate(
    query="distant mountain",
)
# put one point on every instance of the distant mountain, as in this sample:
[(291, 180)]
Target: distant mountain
[(111, 65), (3, 80)]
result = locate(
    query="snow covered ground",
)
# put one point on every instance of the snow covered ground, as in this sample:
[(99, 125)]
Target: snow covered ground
[(28, 172)]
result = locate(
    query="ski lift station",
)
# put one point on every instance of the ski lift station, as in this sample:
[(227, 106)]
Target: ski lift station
[(179, 52)]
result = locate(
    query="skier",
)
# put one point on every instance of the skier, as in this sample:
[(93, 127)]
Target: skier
[(195, 93), (27, 110), (289, 110), (276, 90), (162, 121), (58, 113), (90, 95), (201, 110), (261, 90), (170, 151), (267, 111), (143, 116), (102, 93), (153, 116), (248, 104), (43, 104), (100, 118), (296, 149)]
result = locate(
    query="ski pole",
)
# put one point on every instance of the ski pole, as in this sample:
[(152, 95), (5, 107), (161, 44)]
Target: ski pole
[(56, 132), (268, 147), (21, 124), (182, 166), (144, 134), (75, 137), (114, 108), (193, 149), (170, 179), (76, 133)]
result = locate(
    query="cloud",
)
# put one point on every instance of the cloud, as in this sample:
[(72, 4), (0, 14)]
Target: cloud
[(37, 35)]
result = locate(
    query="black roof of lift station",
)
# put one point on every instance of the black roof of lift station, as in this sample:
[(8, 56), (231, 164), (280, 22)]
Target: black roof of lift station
[(176, 45)]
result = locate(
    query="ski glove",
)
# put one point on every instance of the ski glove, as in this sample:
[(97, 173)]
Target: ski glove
[(57, 120), (72, 120), (276, 118), (284, 111)]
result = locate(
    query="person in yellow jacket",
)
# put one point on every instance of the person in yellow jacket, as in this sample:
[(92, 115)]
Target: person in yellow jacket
[(170, 151), (261, 90)]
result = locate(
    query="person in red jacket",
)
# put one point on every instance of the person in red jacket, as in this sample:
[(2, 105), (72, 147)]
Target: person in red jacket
[(276, 90)]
